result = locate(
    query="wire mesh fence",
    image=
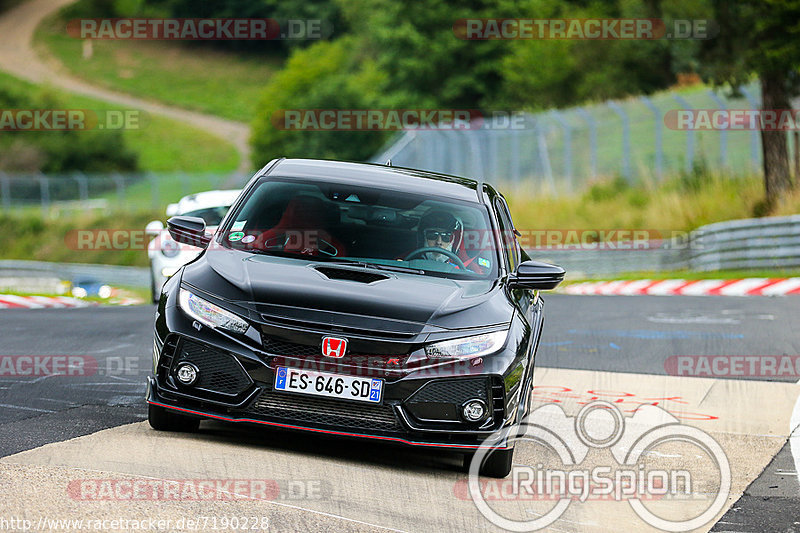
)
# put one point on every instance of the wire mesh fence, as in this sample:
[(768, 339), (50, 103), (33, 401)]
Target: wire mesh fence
[(562, 150), (53, 193)]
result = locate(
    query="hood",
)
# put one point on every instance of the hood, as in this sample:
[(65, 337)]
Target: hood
[(281, 286)]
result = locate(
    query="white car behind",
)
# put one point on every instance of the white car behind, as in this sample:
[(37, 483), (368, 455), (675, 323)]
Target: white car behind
[(166, 255)]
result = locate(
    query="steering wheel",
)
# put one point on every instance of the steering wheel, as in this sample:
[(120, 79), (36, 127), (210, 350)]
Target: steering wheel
[(419, 251)]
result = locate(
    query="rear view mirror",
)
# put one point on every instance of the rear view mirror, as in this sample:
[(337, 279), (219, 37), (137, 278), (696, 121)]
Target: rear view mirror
[(537, 276), (189, 230)]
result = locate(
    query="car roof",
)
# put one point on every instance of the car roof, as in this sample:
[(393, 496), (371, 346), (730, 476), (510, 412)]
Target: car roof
[(204, 200), (394, 178)]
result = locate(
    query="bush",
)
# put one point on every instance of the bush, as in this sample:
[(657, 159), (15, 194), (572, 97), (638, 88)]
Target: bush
[(57, 151), (327, 75)]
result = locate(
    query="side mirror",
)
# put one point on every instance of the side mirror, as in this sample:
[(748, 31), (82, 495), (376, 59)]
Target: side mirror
[(537, 276), (189, 230), (154, 228)]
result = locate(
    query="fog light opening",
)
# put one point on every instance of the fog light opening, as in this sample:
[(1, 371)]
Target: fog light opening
[(187, 373), (474, 410)]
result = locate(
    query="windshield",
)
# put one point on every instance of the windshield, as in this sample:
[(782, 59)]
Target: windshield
[(374, 227), (211, 215)]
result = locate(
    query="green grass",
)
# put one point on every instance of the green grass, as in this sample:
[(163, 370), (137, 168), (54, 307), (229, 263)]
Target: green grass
[(192, 76), (682, 203), (162, 144), (29, 236)]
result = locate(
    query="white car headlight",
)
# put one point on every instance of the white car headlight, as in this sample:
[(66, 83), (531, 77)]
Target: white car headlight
[(170, 248), (474, 346), (209, 314)]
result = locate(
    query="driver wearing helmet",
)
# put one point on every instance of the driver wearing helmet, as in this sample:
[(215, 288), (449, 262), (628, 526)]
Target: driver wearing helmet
[(439, 229)]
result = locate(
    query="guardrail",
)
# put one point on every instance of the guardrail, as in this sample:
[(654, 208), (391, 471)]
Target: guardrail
[(124, 276), (755, 243), (772, 242)]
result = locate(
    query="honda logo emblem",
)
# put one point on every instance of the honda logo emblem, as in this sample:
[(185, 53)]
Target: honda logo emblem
[(333, 347)]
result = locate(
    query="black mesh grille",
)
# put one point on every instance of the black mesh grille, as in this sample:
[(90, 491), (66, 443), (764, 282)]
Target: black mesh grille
[(219, 371), (278, 346), (455, 391), (348, 274), (326, 412), (281, 347)]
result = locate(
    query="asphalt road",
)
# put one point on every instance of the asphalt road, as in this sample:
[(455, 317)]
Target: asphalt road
[(109, 352)]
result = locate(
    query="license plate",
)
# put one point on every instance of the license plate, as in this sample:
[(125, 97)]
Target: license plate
[(328, 385)]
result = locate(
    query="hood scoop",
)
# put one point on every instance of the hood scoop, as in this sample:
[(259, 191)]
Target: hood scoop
[(349, 274)]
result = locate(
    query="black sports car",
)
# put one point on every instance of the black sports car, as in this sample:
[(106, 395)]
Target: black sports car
[(358, 300)]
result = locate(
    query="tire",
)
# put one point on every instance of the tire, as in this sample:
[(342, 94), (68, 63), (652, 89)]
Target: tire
[(497, 464), (155, 295), (164, 420)]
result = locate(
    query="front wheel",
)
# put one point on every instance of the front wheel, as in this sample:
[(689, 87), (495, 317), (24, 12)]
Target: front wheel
[(155, 293), (164, 420)]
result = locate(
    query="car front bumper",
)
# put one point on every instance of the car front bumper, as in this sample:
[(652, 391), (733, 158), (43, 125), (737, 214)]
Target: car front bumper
[(420, 406)]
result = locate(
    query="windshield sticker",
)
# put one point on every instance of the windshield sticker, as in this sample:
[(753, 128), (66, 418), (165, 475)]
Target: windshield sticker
[(485, 263), (238, 226), (249, 239), (235, 236)]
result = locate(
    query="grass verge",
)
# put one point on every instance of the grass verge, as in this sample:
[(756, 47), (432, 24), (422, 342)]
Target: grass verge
[(162, 144), (189, 75)]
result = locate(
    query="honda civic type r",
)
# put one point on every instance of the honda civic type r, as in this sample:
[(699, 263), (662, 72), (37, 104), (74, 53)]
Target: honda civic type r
[(353, 299)]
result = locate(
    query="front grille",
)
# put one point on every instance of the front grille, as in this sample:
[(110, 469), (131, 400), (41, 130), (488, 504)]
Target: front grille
[(276, 346), (219, 371), (456, 391), (325, 412)]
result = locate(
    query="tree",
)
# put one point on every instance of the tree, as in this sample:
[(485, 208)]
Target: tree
[(760, 37)]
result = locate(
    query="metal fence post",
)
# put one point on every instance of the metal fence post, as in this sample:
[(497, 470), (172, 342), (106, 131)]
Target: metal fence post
[(626, 139), (659, 136), (5, 191), (515, 156), (754, 135), (119, 181), (689, 164), (592, 123), (723, 135), (567, 147), (544, 157), (44, 188), (83, 186)]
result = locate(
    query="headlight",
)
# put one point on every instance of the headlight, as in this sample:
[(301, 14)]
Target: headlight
[(170, 248), (209, 314), (474, 346)]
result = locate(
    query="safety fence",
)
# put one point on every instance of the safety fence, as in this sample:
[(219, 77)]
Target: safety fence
[(561, 150)]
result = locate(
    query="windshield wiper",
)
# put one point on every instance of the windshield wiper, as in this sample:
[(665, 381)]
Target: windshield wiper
[(377, 266)]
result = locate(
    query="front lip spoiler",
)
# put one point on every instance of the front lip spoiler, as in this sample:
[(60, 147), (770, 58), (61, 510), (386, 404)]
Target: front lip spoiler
[(400, 440)]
